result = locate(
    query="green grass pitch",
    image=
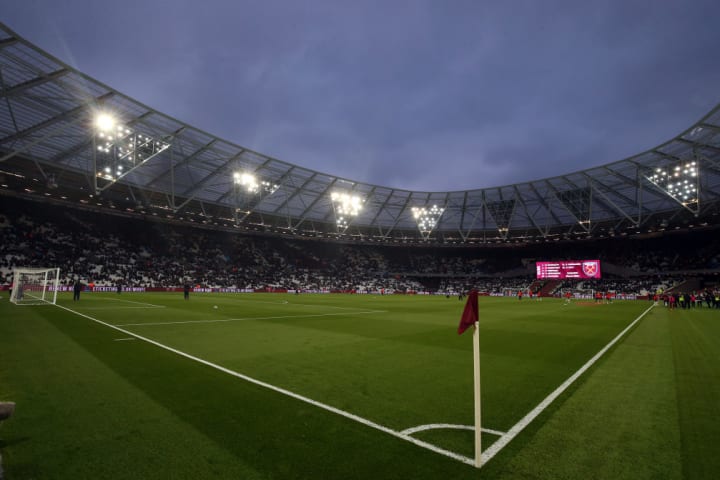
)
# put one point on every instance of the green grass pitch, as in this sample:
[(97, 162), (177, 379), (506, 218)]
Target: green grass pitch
[(96, 402)]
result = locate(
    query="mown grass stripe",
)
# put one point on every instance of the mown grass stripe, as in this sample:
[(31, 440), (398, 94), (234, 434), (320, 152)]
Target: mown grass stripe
[(496, 447), (337, 411), (246, 319)]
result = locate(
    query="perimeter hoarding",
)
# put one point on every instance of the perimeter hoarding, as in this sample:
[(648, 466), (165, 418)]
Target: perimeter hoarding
[(568, 269)]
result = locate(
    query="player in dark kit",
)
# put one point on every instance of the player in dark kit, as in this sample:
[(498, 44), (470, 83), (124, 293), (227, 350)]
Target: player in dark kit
[(77, 288), (186, 291)]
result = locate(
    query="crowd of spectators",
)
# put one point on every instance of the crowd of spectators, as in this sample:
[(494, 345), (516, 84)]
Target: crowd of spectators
[(113, 250)]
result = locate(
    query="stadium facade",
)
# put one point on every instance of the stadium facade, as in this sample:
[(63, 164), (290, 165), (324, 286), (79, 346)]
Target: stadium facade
[(68, 138)]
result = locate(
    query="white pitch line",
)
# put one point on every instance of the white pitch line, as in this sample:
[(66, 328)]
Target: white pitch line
[(323, 306), (488, 454), (123, 339), (106, 300), (131, 301), (123, 308), (236, 300), (431, 426), (260, 383), (287, 302), (249, 318)]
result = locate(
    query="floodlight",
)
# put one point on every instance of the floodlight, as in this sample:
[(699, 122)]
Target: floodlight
[(427, 218), (680, 181), (247, 180), (251, 183), (105, 122), (346, 203), (118, 150)]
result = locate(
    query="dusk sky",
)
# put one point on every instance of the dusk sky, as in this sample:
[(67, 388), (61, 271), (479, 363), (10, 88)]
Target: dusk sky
[(420, 95)]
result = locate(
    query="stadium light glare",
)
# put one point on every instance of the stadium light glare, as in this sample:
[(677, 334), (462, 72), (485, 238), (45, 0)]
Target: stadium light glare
[(105, 122), (427, 218), (118, 149), (251, 183), (680, 181), (346, 204)]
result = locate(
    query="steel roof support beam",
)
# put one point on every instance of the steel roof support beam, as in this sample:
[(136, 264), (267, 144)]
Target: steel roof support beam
[(7, 101), (446, 202), (183, 162), (544, 203), (192, 192), (232, 190), (87, 144), (6, 42), (466, 234), (519, 198), (463, 210), (280, 182), (557, 195), (52, 121), (699, 144), (295, 193), (399, 216), (634, 184), (380, 210), (58, 130), (317, 198), (610, 202), (21, 87), (710, 126), (637, 185)]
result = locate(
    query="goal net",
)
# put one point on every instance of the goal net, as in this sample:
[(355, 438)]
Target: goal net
[(35, 286)]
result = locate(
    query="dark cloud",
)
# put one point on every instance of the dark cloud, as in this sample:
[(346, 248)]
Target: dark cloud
[(412, 94)]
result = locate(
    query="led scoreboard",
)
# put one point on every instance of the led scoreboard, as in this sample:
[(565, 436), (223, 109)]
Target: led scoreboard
[(569, 269)]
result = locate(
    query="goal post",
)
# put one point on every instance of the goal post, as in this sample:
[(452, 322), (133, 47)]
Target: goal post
[(35, 286)]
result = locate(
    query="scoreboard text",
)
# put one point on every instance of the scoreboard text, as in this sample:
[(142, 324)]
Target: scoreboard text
[(568, 269)]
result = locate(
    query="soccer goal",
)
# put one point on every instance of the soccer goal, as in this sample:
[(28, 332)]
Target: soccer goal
[(35, 286)]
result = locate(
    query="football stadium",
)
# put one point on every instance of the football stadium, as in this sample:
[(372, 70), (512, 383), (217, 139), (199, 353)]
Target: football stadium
[(175, 305)]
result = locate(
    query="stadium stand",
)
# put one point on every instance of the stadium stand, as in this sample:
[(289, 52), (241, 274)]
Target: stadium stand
[(107, 250)]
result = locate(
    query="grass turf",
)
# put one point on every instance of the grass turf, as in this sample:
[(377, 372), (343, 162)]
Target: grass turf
[(91, 406)]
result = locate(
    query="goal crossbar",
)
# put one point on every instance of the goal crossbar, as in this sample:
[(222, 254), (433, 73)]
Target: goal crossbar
[(35, 286)]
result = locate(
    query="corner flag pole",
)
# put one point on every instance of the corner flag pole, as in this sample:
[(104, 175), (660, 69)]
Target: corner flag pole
[(476, 390), (470, 317)]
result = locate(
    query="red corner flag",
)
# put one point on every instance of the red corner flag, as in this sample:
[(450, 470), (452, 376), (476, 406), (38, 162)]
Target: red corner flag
[(470, 314)]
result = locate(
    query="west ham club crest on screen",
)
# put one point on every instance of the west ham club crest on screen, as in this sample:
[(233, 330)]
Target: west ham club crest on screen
[(568, 269)]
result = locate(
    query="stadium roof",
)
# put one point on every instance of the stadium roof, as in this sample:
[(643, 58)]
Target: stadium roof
[(141, 161)]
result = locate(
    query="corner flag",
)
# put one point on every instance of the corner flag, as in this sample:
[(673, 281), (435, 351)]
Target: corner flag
[(470, 314), (469, 317)]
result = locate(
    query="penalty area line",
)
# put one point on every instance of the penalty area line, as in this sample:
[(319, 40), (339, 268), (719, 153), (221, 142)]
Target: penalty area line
[(260, 383), (488, 454)]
